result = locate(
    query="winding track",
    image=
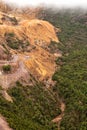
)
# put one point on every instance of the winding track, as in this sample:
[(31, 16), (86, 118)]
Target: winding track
[(59, 118), (7, 79)]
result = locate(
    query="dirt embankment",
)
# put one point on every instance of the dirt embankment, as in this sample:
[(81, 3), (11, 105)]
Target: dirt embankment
[(3, 124), (39, 34), (35, 59)]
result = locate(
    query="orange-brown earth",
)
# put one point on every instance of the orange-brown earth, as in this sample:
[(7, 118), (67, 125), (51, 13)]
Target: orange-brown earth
[(39, 33), (3, 124)]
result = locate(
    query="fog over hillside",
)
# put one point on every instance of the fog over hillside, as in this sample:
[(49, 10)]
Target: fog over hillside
[(58, 3)]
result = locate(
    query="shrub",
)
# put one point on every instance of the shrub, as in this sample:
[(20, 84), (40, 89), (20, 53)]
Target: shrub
[(6, 68)]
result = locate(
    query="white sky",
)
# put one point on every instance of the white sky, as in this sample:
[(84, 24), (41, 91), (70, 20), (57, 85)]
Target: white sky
[(59, 3)]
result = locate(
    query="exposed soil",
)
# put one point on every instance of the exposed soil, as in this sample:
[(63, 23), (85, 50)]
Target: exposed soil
[(6, 95), (3, 124)]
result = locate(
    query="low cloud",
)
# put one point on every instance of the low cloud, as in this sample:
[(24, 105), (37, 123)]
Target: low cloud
[(59, 3)]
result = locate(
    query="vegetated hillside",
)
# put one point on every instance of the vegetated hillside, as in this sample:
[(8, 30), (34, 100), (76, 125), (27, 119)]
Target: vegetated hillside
[(34, 106), (72, 76)]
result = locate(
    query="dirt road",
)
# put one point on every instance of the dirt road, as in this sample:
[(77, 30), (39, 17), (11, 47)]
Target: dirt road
[(59, 118), (3, 124)]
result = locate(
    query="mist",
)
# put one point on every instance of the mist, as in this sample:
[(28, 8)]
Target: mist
[(56, 3)]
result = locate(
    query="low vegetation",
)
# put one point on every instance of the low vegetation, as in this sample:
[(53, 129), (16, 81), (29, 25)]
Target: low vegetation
[(33, 108), (15, 43), (72, 77), (6, 68)]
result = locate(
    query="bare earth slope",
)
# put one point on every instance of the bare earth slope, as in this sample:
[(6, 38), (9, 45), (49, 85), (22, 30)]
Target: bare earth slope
[(39, 34)]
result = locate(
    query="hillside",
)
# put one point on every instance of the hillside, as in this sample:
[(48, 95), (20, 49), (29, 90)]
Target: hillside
[(43, 65), (71, 78), (26, 68), (29, 40)]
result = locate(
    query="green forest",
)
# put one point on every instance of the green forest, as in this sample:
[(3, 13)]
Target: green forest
[(33, 108), (72, 76)]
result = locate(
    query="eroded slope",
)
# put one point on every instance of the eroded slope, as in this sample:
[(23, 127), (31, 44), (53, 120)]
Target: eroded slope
[(29, 41)]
